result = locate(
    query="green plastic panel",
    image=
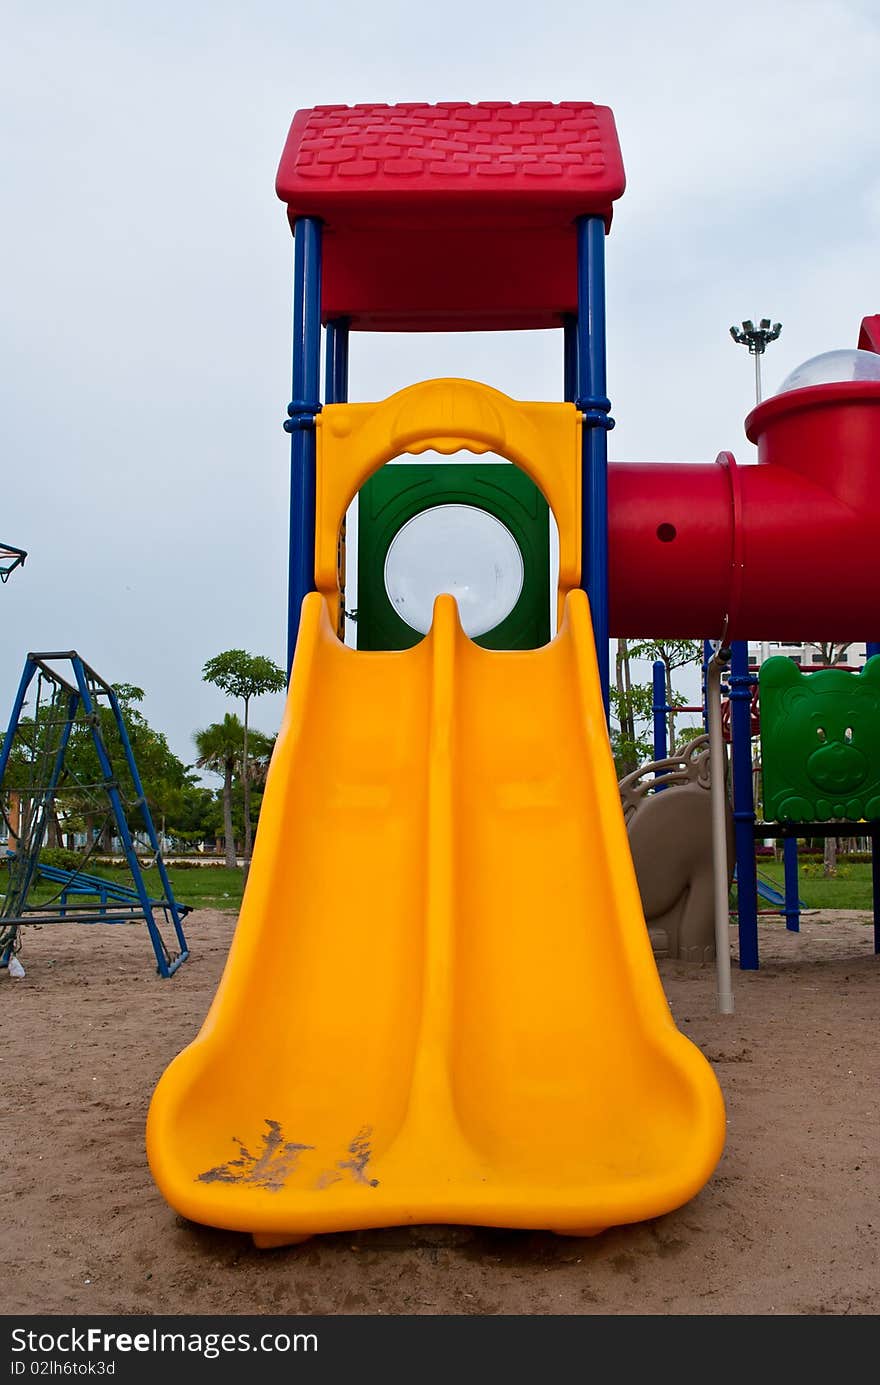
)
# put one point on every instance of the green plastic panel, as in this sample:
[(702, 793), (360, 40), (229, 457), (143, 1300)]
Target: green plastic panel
[(400, 491), (820, 742)]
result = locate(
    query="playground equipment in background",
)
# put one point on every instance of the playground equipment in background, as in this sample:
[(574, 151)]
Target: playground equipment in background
[(767, 890), (670, 837), (811, 787), (62, 703), (742, 688), (820, 742), (474, 1030), (10, 559), (79, 884)]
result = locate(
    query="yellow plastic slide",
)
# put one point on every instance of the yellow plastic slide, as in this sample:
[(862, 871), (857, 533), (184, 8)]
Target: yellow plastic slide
[(441, 1003)]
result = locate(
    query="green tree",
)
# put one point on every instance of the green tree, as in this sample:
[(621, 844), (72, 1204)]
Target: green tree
[(673, 654), (163, 776), (218, 748), (631, 742), (80, 803), (245, 676)]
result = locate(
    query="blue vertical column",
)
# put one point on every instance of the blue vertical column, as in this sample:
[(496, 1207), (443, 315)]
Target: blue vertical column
[(872, 647), (300, 423), (336, 362), (336, 392), (595, 406), (659, 709), (27, 677), (875, 885), (792, 897), (708, 651), (570, 359), (744, 804)]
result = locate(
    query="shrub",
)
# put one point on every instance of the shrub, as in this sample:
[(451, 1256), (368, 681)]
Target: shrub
[(60, 858)]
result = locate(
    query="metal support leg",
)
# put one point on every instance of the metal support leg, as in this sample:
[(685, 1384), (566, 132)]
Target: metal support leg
[(113, 794), (570, 360), (659, 711), (594, 405), (744, 806), (302, 410), (171, 902), (792, 898), (336, 363)]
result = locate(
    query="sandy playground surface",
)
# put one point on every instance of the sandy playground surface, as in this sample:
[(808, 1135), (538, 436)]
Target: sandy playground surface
[(788, 1224)]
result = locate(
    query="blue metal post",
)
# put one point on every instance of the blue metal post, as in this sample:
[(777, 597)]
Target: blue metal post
[(594, 405), (336, 363), (119, 813), (25, 681), (302, 410), (872, 647), (30, 668), (792, 898), (707, 655), (744, 804), (151, 833), (659, 709), (570, 359)]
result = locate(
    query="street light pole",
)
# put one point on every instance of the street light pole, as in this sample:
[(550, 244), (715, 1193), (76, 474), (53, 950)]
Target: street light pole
[(756, 339)]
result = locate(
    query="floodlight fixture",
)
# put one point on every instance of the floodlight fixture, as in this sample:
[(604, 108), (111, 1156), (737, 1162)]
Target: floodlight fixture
[(756, 339)]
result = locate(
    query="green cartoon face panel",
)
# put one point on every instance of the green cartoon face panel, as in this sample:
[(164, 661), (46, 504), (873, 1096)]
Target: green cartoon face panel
[(820, 742)]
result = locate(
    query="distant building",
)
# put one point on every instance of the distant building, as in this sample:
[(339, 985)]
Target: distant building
[(807, 655)]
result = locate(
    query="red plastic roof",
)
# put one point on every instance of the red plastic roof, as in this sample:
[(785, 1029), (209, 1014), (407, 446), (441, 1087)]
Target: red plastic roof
[(452, 216), (532, 160)]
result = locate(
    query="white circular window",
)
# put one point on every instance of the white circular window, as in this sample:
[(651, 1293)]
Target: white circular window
[(461, 550)]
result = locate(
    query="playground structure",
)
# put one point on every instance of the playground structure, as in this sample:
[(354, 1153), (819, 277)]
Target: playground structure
[(10, 559), (742, 692), (61, 704), (441, 1003), (667, 810)]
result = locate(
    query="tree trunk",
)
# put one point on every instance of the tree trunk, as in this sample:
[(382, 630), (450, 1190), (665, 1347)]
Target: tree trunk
[(625, 716), (627, 689), (248, 836), (830, 856), (14, 817), (671, 746), (228, 831)]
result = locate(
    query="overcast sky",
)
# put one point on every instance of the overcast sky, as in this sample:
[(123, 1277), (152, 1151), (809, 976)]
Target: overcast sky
[(147, 273)]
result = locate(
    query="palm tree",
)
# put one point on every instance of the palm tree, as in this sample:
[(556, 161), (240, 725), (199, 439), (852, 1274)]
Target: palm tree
[(246, 676), (219, 752)]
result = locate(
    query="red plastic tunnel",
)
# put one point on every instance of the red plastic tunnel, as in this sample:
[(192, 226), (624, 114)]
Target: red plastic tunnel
[(770, 550)]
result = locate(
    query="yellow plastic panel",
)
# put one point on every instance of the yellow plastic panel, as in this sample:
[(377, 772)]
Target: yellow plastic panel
[(441, 1003), (447, 416)]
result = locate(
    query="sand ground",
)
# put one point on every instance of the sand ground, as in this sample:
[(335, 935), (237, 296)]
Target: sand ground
[(788, 1224)]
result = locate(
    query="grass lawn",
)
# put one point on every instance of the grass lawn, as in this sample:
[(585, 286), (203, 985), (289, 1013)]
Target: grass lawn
[(849, 889), (216, 887)]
